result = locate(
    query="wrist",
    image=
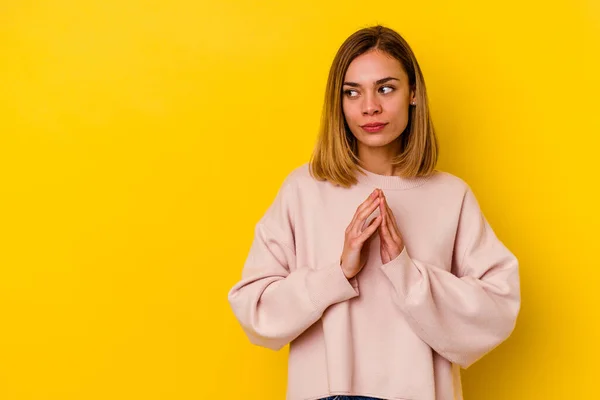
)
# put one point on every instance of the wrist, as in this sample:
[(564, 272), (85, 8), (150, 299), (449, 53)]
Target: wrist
[(343, 270)]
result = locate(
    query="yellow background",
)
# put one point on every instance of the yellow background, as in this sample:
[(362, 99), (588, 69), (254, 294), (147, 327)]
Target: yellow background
[(140, 141)]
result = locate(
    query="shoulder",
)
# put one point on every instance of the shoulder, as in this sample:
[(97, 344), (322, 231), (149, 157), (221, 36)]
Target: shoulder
[(453, 191), (447, 182), (457, 188), (294, 182), (441, 182), (301, 173), (300, 178)]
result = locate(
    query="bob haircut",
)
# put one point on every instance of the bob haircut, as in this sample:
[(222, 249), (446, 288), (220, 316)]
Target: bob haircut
[(335, 157)]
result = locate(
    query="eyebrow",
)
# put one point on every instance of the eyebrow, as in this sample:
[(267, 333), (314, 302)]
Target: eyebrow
[(379, 82)]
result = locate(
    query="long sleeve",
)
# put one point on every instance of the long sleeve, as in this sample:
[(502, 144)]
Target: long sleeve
[(277, 300), (466, 313)]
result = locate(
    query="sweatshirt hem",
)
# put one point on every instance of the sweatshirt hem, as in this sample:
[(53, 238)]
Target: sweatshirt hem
[(362, 394)]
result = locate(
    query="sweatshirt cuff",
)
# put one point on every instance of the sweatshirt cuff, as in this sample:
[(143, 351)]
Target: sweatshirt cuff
[(329, 285), (402, 273)]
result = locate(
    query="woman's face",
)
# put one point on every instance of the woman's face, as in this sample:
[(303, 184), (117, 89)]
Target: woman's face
[(376, 91)]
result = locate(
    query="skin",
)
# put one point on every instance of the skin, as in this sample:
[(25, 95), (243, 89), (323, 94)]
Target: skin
[(364, 101), (355, 254), (375, 89)]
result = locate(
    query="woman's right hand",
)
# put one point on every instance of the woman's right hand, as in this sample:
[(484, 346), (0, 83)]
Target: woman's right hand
[(354, 255)]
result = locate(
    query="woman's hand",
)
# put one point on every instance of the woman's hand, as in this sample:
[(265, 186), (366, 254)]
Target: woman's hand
[(355, 255), (391, 243)]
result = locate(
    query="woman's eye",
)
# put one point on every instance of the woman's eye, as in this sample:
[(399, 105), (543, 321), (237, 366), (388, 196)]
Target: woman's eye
[(354, 93)]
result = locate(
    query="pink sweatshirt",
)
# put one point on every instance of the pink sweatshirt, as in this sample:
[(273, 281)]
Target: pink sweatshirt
[(399, 330)]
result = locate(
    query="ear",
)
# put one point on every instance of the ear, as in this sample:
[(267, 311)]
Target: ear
[(413, 94)]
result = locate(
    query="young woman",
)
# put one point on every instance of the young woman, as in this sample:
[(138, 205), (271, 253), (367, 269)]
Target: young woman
[(380, 271)]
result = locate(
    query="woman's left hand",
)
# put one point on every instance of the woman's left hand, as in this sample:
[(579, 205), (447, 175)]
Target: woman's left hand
[(391, 243)]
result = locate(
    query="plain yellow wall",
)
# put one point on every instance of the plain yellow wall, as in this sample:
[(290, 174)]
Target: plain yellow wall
[(140, 141)]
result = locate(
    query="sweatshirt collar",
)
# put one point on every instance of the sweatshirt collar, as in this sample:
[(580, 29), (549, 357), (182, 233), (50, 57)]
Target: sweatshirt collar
[(389, 182)]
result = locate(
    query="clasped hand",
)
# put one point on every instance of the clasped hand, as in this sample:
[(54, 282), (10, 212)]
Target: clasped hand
[(391, 243), (355, 255)]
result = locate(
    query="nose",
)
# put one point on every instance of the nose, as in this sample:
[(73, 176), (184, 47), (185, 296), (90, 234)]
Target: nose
[(371, 105)]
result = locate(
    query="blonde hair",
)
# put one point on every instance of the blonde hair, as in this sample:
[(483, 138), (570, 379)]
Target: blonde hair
[(335, 155)]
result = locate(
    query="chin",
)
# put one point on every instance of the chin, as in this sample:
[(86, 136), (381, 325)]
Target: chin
[(377, 140)]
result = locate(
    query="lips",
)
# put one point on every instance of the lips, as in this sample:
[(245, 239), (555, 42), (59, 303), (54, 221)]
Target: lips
[(373, 127)]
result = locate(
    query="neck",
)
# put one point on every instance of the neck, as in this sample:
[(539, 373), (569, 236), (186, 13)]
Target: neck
[(378, 159)]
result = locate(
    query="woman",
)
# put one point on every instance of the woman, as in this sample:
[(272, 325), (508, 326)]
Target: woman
[(380, 271)]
